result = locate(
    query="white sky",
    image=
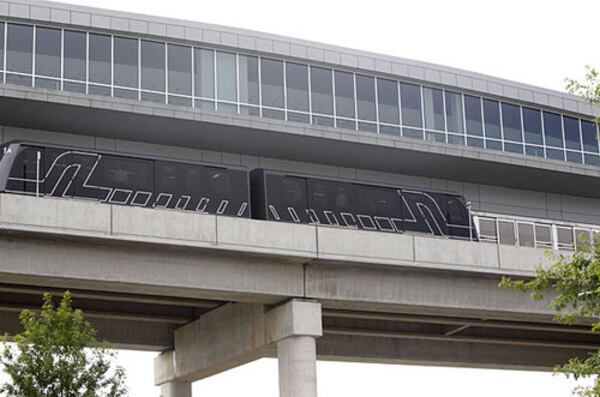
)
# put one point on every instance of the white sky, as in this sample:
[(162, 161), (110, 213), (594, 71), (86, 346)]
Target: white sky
[(539, 42)]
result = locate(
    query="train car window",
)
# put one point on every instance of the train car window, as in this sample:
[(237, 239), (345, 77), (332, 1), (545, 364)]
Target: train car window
[(506, 232), (124, 176), (330, 199), (376, 207), (85, 178), (457, 217), (59, 172), (24, 172), (287, 199), (526, 236), (228, 191)]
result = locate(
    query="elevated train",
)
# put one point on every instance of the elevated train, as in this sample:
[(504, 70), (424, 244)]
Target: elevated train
[(116, 178)]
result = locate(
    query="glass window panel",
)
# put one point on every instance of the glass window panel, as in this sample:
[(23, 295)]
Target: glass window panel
[(473, 115), (321, 89), (543, 235), (553, 130), (19, 47), (323, 121), (347, 124), (565, 238), (273, 114), (506, 232), (52, 84), (153, 66), (592, 159), (271, 72), (410, 99), (435, 136), (534, 150), (526, 237), (1, 46), (475, 142), (204, 73), (344, 94), (386, 129), (226, 86), (454, 112), (590, 136), (493, 144), (100, 58), (249, 92), (571, 128), (387, 99), (367, 127), (513, 147), (456, 139), (180, 69), (365, 96), (555, 154), (297, 86), (75, 54), (511, 121), (574, 157), (532, 125), (491, 116), (487, 229), (412, 133), (47, 51), (126, 62), (433, 101)]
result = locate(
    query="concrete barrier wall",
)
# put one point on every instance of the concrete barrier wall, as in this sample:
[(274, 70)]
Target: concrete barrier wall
[(76, 218)]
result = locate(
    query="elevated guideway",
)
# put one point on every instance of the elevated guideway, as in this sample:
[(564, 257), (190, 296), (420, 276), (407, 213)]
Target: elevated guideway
[(214, 292)]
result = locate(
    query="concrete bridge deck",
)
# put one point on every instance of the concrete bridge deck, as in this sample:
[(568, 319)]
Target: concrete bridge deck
[(145, 276)]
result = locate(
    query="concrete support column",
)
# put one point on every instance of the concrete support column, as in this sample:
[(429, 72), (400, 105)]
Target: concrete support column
[(297, 366), (294, 327), (176, 389)]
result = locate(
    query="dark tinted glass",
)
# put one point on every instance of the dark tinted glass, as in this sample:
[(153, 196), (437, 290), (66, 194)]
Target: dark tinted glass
[(153, 66), (204, 73), (491, 116), (454, 112), (287, 199), (321, 88), (511, 121), (473, 115), (387, 99), (572, 138), (344, 94), (100, 58), (532, 125), (410, 99), (47, 51), (19, 47), (126, 62), (365, 95), (75, 49), (180, 69), (377, 201), (249, 90), (590, 136), (553, 130), (329, 200), (433, 100), (297, 86), (128, 174), (272, 82), (24, 172)]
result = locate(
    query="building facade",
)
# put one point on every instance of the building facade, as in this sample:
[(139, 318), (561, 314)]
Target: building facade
[(526, 159)]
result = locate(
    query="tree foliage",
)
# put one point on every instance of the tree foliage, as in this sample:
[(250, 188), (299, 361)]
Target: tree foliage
[(589, 88), (575, 282), (57, 355)]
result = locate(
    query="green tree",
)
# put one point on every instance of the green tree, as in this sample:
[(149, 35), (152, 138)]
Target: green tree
[(589, 88), (57, 355), (575, 282)]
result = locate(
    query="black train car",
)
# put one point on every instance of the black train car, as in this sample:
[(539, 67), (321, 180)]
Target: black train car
[(48, 170), (288, 197)]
